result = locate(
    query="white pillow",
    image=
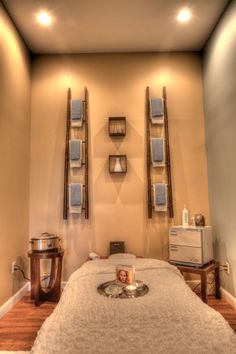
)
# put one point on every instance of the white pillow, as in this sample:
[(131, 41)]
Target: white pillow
[(121, 255)]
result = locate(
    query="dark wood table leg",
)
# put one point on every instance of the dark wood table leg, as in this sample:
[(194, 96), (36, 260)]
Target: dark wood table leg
[(217, 281), (53, 291), (37, 282), (204, 286), (32, 277)]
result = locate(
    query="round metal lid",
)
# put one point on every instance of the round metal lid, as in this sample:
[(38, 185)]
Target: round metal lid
[(45, 237)]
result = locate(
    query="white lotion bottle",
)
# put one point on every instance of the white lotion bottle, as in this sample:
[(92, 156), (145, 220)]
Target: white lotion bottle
[(185, 217)]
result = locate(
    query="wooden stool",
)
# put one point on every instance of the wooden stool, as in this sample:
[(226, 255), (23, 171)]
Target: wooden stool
[(203, 271), (53, 291)]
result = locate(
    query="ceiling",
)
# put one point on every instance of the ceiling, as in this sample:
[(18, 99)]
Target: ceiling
[(98, 26)]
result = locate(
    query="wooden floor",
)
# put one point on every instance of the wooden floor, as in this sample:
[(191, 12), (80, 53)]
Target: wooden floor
[(19, 327)]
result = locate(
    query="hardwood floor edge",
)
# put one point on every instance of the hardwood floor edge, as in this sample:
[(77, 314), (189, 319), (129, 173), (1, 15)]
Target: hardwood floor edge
[(8, 305)]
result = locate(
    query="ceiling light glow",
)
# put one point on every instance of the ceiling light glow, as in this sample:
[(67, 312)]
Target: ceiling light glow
[(184, 15), (44, 18)]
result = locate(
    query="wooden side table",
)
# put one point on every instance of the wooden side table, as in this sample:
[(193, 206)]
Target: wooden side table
[(53, 291), (203, 272)]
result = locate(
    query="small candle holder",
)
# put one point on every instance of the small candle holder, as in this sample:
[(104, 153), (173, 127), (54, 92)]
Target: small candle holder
[(131, 287), (139, 284)]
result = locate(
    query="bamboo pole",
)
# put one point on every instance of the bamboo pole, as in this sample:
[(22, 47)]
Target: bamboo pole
[(149, 187), (86, 155), (167, 149), (66, 166)]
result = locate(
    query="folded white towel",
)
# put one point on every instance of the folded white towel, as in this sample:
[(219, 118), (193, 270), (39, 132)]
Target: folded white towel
[(157, 120), (75, 156), (76, 113), (155, 154), (75, 198), (158, 203), (157, 110)]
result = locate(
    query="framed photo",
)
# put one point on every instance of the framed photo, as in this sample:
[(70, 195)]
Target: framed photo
[(125, 274)]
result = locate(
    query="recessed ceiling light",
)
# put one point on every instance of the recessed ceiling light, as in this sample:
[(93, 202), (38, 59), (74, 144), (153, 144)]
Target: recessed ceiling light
[(44, 18), (184, 15)]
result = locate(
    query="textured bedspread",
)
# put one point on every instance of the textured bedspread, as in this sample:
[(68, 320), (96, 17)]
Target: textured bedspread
[(170, 319)]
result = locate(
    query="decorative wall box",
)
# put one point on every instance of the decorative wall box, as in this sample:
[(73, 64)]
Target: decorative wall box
[(117, 126), (117, 164)]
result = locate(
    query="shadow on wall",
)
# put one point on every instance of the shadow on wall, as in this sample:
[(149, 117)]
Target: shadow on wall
[(78, 242), (155, 236), (110, 187), (220, 253)]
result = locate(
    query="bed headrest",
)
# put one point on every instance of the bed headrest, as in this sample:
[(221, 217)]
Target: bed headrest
[(121, 256)]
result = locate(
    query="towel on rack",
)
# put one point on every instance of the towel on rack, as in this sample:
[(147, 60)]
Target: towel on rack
[(76, 113), (75, 152), (75, 198), (158, 152), (157, 110), (160, 199)]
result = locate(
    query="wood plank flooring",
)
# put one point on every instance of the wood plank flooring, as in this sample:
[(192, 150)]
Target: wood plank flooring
[(19, 327)]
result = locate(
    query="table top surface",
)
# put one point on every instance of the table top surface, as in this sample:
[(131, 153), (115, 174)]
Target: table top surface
[(197, 269)]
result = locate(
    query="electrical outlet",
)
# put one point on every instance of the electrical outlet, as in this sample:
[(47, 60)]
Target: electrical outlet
[(13, 267), (227, 268)]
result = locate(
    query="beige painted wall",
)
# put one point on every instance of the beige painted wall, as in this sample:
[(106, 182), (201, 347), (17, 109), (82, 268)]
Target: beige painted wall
[(116, 84), (14, 152)]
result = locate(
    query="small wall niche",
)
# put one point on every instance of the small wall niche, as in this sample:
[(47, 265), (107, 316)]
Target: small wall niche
[(117, 126), (117, 163)]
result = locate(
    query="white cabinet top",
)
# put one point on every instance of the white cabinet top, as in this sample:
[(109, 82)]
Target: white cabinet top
[(190, 227)]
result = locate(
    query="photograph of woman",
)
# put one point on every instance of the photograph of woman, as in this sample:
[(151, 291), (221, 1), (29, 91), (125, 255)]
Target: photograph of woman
[(122, 276), (125, 274)]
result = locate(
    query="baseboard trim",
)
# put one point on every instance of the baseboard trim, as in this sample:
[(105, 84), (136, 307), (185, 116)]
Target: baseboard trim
[(228, 297), (7, 306)]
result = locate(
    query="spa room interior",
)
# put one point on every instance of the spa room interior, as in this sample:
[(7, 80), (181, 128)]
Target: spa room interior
[(117, 183)]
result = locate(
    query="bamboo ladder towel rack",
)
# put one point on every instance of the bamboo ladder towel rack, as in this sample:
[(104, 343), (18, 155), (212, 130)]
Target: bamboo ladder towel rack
[(85, 163), (167, 154)]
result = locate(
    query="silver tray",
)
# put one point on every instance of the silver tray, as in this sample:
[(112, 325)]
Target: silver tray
[(113, 289)]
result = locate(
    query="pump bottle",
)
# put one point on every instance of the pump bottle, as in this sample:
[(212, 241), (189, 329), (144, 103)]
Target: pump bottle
[(185, 218)]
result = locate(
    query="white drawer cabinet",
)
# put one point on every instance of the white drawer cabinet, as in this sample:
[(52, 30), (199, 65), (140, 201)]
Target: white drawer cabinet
[(191, 245)]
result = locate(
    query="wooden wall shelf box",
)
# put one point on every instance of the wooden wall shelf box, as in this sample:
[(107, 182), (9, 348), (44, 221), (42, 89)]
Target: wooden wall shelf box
[(117, 163), (117, 126)]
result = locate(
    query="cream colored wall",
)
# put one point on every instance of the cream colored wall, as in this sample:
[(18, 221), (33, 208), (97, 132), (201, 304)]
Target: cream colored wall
[(116, 84), (14, 152)]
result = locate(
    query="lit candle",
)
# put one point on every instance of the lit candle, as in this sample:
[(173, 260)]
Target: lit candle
[(131, 287)]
